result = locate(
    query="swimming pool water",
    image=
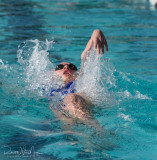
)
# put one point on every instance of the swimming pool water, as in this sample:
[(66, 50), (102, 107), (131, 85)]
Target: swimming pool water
[(35, 36)]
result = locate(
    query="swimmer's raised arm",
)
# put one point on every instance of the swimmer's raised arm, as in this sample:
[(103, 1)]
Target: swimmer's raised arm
[(99, 40)]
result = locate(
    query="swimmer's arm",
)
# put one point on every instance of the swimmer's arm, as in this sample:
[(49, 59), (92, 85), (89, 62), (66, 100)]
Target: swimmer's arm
[(99, 40)]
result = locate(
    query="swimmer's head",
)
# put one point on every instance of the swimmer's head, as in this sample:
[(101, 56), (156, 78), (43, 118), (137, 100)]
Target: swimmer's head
[(67, 71)]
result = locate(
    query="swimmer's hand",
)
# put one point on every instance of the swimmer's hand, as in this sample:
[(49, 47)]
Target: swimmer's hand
[(99, 41)]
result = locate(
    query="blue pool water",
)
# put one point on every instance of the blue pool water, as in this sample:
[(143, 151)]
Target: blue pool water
[(35, 36)]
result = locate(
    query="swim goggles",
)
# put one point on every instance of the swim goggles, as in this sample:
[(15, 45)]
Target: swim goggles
[(61, 66)]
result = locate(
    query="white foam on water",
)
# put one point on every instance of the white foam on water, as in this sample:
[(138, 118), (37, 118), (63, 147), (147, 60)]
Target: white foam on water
[(2, 65), (125, 117), (138, 95), (141, 96)]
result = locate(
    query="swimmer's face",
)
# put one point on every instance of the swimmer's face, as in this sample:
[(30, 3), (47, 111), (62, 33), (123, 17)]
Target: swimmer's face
[(66, 71)]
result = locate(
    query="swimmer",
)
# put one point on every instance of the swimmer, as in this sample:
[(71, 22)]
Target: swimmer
[(77, 105)]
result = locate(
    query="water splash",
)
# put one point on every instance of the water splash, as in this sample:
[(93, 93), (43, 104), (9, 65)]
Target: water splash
[(96, 79), (39, 71), (104, 85)]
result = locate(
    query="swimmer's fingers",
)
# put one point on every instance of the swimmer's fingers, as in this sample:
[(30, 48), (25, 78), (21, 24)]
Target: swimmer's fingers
[(99, 41), (102, 49), (99, 47), (91, 44), (105, 43), (102, 46), (95, 43)]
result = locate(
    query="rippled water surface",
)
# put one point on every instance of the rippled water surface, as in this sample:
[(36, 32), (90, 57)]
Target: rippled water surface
[(35, 36)]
